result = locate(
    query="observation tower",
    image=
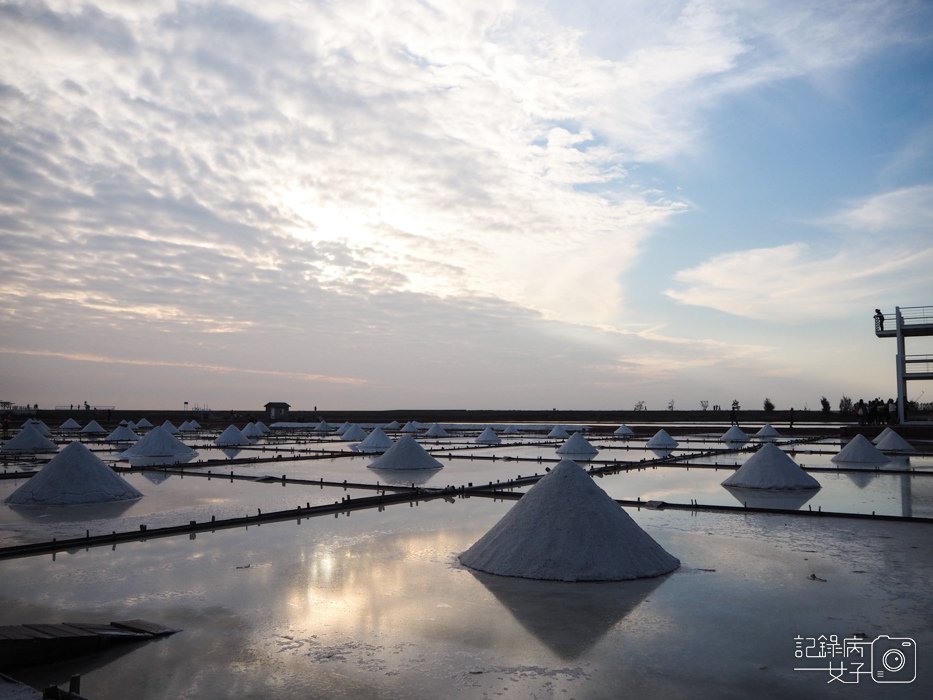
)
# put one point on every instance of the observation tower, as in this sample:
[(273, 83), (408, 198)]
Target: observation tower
[(907, 322)]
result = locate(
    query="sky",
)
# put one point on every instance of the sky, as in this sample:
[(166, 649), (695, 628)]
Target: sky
[(468, 204)]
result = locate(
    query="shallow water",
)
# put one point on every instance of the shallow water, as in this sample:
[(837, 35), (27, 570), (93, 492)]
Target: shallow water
[(375, 604)]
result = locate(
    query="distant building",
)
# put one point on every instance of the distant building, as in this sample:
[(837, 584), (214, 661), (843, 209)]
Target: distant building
[(276, 410)]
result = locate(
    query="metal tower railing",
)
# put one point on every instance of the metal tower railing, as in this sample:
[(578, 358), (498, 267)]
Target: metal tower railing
[(905, 322)]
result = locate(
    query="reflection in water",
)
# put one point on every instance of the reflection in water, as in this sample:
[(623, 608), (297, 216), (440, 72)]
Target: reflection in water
[(862, 477), (87, 511), (404, 477), (569, 618), (787, 499)]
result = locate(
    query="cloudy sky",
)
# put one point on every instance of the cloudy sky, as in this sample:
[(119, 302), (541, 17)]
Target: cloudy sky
[(474, 203)]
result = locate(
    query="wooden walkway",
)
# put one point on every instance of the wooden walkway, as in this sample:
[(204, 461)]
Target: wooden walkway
[(30, 644)]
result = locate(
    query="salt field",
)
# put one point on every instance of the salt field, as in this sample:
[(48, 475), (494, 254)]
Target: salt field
[(294, 581)]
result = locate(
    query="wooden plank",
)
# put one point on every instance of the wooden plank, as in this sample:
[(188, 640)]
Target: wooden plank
[(58, 630), (144, 626), (21, 632)]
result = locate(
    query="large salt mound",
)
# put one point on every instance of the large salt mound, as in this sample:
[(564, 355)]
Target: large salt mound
[(623, 431), (892, 442), (859, 449), (882, 435), (558, 431), (376, 441), (93, 428), (122, 433), (73, 477), (662, 440), (406, 454), (734, 434), (169, 426), (28, 440), (71, 424), (771, 468), (566, 528), (231, 437), (158, 447), (487, 437), (410, 427), (767, 431), (436, 431), (577, 445), (353, 433), (252, 431)]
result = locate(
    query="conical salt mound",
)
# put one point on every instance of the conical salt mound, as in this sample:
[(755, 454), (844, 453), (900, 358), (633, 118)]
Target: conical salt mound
[(734, 434), (892, 442), (410, 427), (436, 431), (662, 440), (882, 435), (187, 427), (231, 437), (860, 449), (28, 440), (73, 477), (71, 424), (263, 428), (558, 431), (169, 426), (406, 454), (510, 430), (38, 425), (353, 433), (93, 428), (343, 428), (322, 427), (566, 528), (251, 430), (122, 433), (377, 441), (577, 445), (393, 425), (487, 437), (767, 431), (158, 447), (143, 424), (771, 468), (623, 431)]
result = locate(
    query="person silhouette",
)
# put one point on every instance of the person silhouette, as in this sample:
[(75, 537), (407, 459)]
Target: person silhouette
[(879, 319)]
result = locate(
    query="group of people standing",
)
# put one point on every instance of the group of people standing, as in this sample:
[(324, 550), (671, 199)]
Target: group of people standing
[(876, 412)]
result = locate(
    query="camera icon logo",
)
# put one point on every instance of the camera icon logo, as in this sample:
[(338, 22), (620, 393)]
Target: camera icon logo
[(893, 659)]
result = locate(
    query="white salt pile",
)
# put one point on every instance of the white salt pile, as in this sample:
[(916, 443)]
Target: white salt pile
[(392, 425), (406, 454), (410, 427), (93, 428), (342, 428), (322, 427), (882, 435), (767, 432), (623, 431), (487, 437), (143, 424), (510, 430), (566, 528), (662, 440), (377, 441), (892, 442), (252, 431), (187, 427), (74, 476), (734, 435), (27, 441), (169, 426), (577, 446), (38, 425), (71, 424), (771, 468), (860, 450), (353, 433), (122, 433), (436, 431), (231, 437), (558, 431), (263, 428), (158, 447)]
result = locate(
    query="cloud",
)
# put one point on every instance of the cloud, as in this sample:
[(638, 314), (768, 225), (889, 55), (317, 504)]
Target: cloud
[(881, 255)]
